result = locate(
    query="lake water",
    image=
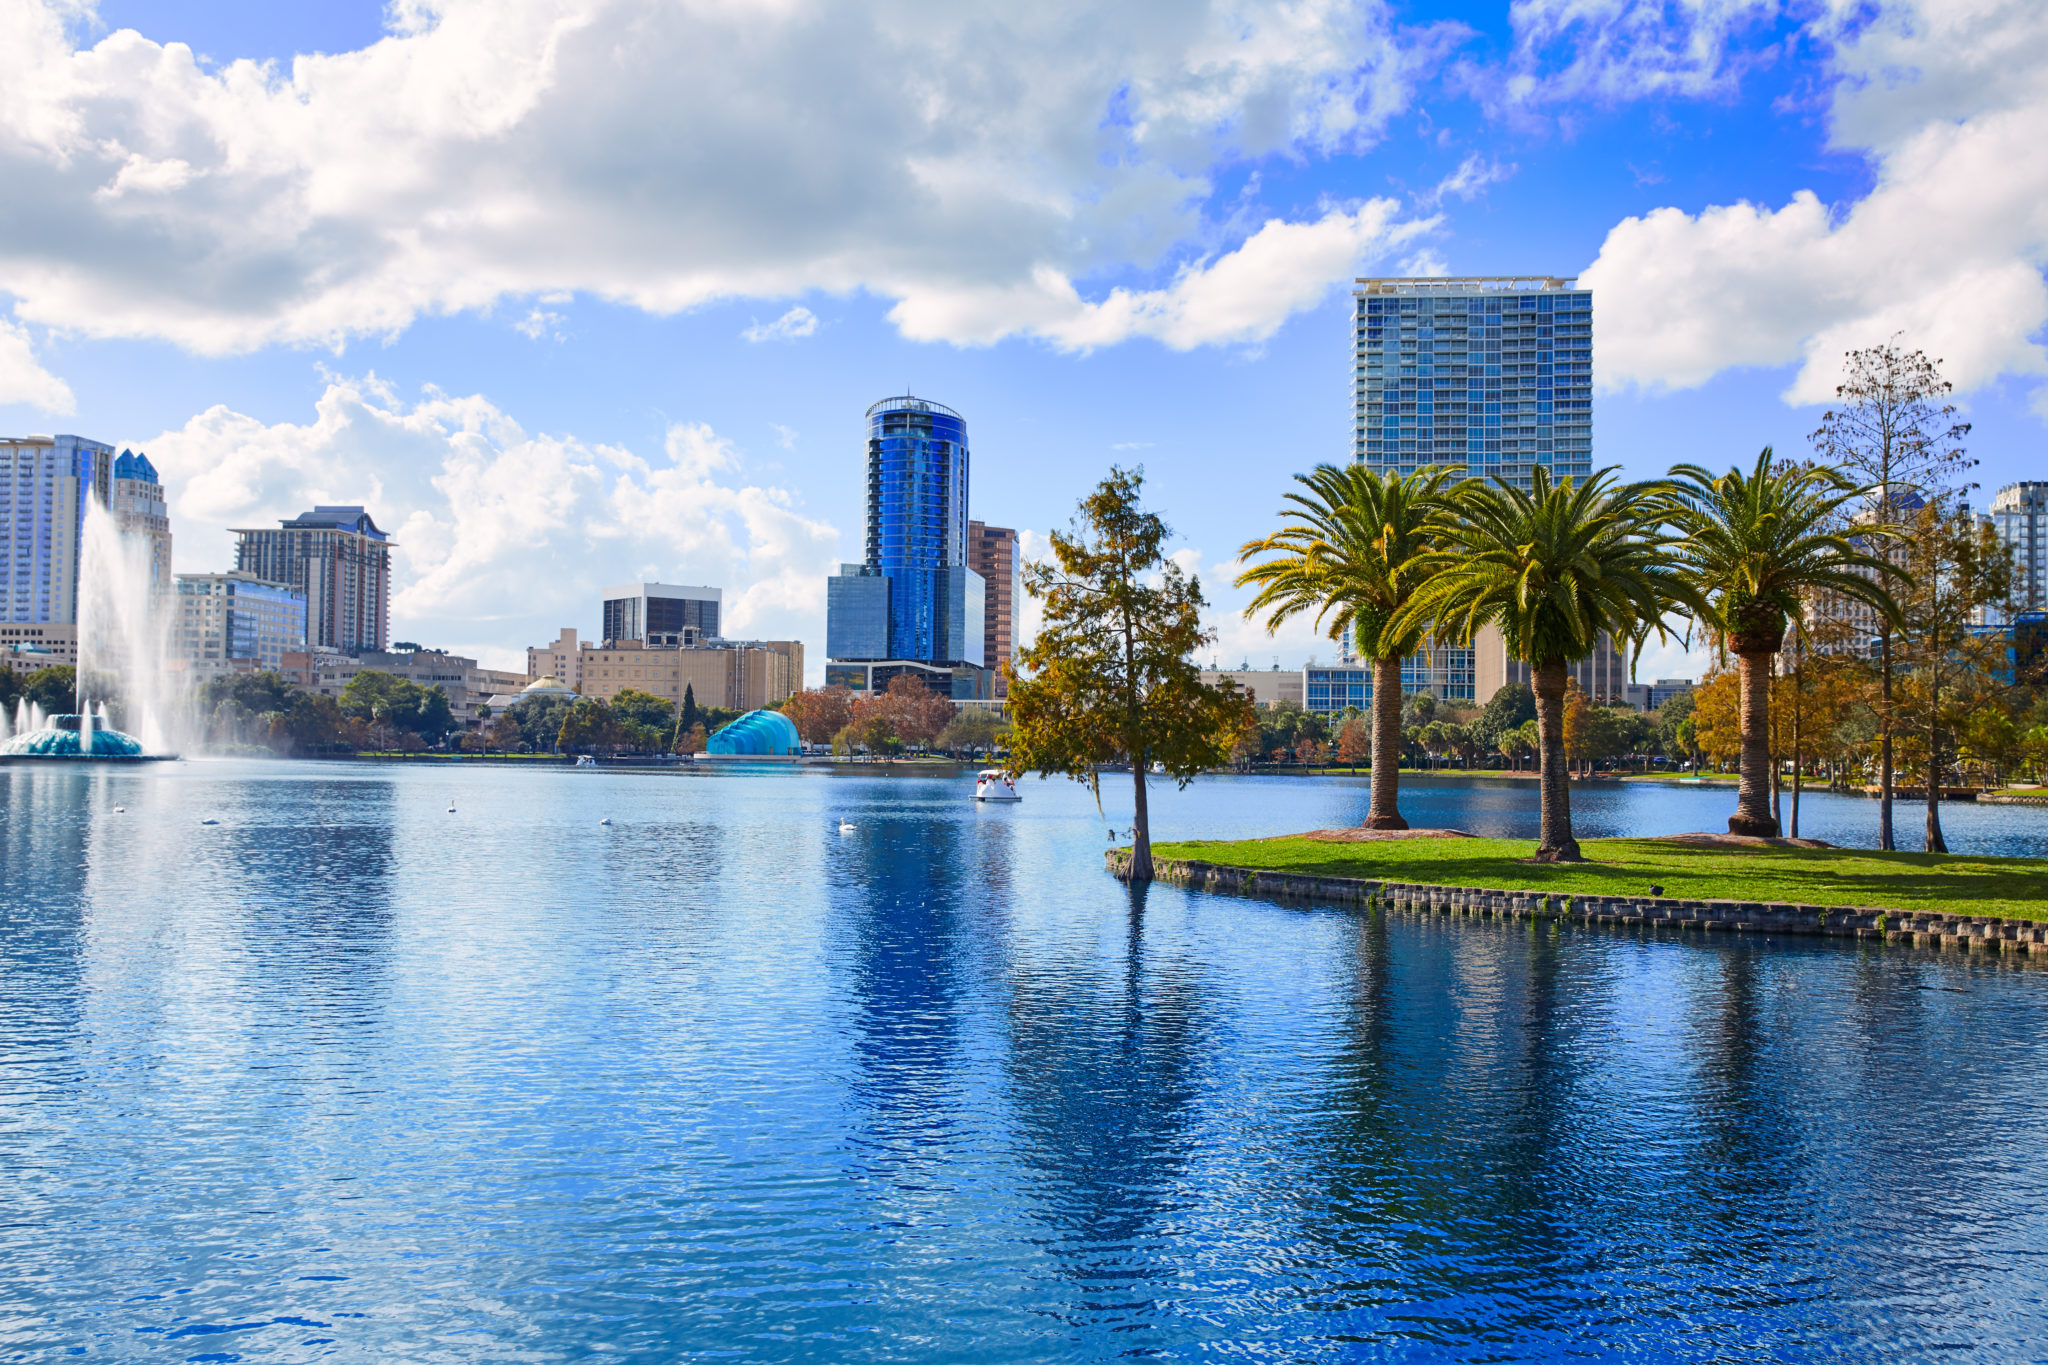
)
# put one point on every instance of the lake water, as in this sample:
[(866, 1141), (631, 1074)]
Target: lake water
[(348, 1076)]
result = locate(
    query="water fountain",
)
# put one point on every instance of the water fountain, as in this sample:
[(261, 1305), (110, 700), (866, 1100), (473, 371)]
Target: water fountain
[(121, 637)]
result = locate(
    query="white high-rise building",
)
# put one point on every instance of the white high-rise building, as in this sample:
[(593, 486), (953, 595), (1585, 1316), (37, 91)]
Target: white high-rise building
[(1492, 373), (2019, 513)]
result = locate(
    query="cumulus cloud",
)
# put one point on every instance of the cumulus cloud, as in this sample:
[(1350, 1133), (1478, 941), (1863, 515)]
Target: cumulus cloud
[(23, 378), (797, 322), (1948, 247), (971, 162), (503, 535), (1241, 296)]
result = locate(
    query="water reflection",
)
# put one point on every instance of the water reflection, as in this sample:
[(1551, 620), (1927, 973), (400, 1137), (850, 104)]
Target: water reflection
[(1104, 1065), (350, 1074)]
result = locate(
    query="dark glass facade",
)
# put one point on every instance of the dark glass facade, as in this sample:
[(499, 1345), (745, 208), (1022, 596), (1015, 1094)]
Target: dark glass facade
[(660, 621)]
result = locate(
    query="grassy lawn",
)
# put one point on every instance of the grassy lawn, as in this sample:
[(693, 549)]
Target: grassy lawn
[(2016, 887)]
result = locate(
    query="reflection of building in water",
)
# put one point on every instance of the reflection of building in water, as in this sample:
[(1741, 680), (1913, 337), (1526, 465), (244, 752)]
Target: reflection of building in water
[(902, 921)]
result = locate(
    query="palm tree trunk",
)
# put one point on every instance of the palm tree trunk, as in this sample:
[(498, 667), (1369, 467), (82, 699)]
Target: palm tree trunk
[(1554, 843), (1935, 843), (1385, 811), (1753, 790)]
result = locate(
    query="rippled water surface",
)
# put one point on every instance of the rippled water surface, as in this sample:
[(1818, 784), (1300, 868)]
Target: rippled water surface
[(350, 1076)]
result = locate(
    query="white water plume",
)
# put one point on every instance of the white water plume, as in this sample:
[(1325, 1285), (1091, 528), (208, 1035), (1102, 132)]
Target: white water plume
[(123, 630)]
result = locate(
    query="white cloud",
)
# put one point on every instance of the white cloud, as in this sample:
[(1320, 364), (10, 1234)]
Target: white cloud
[(1242, 296), (797, 322), (504, 536), (971, 162), (23, 378), (1949, 246), (1467, 182), (1617, 50)]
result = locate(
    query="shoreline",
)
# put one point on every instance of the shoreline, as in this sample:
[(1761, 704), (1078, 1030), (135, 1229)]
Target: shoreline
[(2009, 938)]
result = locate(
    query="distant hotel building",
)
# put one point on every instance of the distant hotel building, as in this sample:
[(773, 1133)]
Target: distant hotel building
[(338, 558), (913, 604), (992, 552), (45, 485), (234, 622)]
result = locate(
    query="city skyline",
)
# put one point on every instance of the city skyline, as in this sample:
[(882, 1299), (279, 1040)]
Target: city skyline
[(1747, 193)]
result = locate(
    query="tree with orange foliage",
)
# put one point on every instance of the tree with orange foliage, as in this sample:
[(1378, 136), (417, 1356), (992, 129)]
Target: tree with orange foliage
[(819, 712)]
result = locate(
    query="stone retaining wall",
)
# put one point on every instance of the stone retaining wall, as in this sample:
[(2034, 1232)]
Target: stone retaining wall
[(1932, 929)]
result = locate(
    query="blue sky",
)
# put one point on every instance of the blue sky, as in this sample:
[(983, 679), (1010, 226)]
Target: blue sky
[(572, 293)]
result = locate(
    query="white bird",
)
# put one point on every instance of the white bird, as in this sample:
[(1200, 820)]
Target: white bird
[(846, 826), (451, 810), (120, 810), (606, 821)]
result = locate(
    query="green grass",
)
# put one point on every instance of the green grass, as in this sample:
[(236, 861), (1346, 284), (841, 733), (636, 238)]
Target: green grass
[(2015, 887)]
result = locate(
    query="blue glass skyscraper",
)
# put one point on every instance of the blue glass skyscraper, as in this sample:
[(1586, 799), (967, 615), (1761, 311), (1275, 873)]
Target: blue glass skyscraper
[(912, 597), (1493, 373)]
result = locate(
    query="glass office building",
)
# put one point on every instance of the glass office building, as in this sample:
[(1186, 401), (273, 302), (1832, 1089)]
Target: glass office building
[(1492, 373), (914, 575)]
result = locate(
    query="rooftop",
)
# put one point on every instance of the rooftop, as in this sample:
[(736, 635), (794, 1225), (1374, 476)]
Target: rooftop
[(1464, 284)]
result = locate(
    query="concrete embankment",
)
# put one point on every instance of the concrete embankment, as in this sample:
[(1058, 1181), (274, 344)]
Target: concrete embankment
[(1924, 928)]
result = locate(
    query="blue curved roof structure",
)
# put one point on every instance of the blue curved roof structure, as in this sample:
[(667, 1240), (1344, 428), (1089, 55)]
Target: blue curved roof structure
[(757, 734)]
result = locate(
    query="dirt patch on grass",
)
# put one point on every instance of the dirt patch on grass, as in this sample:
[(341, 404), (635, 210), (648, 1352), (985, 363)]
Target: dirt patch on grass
[(1356, 835), (1736, 841)]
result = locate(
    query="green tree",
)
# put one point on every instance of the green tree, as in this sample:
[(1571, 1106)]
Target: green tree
[(689, 717), (1893, 431), (1351, 552), (55, 689), (1756, 546), (1554, 566), (644, 708), (540, 720), (1508, 709), (974, 729), (1955, 567), (588, 726), (1111, 674)]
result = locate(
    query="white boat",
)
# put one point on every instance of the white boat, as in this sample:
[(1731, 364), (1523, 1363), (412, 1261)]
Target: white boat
[(993, 784), (585, 761)]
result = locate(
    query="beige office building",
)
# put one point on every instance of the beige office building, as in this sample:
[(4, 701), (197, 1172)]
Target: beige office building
[(562, 661), (740, 675), (1603, 675)]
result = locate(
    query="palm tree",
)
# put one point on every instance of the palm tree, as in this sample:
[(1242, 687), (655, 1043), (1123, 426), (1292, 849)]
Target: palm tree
[(1755, 546), (1554, 566), (1351, 553)]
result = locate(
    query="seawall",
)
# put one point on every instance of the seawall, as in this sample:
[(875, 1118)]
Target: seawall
[(1922, 928)]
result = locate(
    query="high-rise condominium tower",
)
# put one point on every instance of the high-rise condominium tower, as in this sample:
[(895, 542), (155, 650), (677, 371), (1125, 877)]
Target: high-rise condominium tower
[(912, 598), (2019, 513), (1493, 373), (46, 485), (338, 558)]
